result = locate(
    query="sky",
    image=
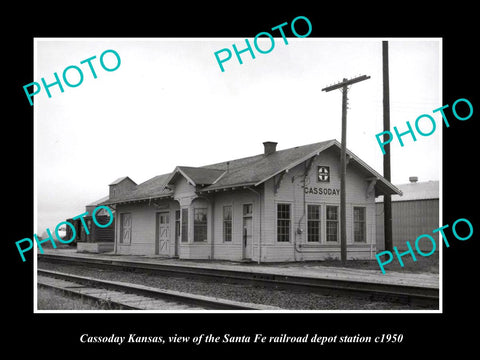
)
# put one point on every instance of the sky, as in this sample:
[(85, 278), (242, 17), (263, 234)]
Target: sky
[(169, 104)]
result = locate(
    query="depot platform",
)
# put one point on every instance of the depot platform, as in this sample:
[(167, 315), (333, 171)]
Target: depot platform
[(294, 269)]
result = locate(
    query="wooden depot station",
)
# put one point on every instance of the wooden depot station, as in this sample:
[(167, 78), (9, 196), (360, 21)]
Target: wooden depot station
[(281, 205)]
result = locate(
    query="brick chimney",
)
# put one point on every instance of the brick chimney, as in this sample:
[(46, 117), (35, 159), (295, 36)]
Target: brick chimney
[(270, 147)]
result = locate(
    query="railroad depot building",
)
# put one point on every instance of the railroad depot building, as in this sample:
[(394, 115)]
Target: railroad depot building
[(276, 206)]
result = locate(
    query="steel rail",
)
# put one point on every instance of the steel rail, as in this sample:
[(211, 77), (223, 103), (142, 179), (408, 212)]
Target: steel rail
[(419, 295), (181, 298)]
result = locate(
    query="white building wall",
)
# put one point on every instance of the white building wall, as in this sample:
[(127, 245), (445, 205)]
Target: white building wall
[(234, 250), (292, 191), (144, 236)]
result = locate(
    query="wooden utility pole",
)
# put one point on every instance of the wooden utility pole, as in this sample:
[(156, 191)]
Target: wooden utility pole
[(387, 198), (343, 160)]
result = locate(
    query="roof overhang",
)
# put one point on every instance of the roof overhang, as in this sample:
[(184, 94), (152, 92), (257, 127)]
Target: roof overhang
[(212, 188), (137, 200), (173, 176)]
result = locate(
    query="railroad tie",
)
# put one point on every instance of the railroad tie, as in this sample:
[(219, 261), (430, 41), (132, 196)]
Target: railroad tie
[(118, 297)]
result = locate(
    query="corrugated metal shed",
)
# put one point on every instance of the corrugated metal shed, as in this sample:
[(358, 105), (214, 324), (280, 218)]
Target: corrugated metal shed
[(416, 191), (413, 214)]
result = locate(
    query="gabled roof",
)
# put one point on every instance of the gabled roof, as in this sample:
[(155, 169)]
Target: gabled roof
[(263, 167), (196, 175), (119, 180), (150, 189), (249, 171)]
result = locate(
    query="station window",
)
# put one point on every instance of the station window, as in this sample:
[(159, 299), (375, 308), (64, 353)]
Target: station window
[(227, 223), (313, 223), (359, 224), (184, 225), (200, 224), (283, 222), (332, 223), (247, 209)]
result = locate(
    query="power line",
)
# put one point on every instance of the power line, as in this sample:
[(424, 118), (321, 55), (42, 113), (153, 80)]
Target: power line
[(344, 87)]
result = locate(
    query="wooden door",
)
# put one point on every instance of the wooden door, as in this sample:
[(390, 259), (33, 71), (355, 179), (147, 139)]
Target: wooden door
[(177, 231), (126, 224), (247, 237), (163, 233)]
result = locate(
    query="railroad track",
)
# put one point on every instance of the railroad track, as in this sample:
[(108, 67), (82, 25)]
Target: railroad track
[(135, 297), (414, 295)]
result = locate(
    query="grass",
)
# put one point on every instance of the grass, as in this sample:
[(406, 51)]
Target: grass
[(51, 299), (428, 264)]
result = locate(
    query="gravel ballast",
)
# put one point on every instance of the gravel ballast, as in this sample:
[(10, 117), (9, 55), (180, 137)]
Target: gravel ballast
[(285, 299)]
